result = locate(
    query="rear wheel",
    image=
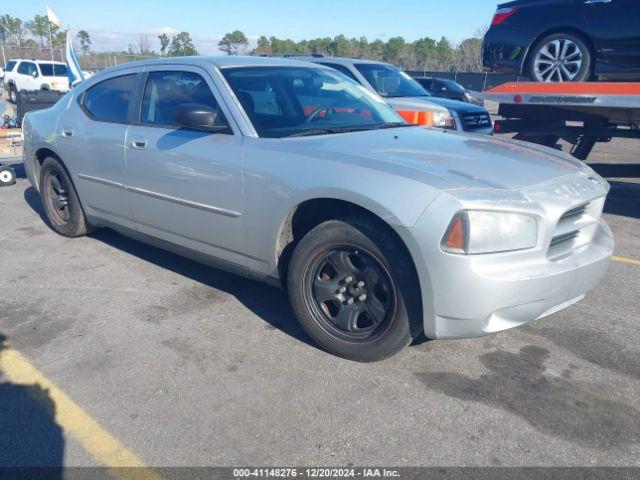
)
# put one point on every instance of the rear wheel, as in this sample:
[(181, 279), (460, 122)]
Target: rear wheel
[(561, 57), (353, 289), (60, 200)]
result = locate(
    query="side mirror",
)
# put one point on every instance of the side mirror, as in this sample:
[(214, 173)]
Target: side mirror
[(197, 117), (34, 74)]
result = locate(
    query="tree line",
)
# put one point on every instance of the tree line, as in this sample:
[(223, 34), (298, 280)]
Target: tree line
[(422, 54)]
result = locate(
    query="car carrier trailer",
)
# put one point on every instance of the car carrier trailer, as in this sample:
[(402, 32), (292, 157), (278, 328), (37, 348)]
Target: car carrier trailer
[(582, 114)]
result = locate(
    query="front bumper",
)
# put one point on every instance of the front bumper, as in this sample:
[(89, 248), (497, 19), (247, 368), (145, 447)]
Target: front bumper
[(473, 295)]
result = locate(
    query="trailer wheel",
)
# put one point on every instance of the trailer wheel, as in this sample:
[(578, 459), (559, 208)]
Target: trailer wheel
[(7, 176)]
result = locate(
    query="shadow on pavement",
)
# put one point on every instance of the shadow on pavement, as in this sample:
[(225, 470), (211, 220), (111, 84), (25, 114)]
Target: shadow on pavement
[(29, 434), (554, 405), (624, 199), (617, 170), (269, 303)]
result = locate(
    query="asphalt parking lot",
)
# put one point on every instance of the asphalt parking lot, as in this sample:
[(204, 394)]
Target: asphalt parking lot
[(111, 342)]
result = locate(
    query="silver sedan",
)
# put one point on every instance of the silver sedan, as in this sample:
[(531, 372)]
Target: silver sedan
[(293, 174)]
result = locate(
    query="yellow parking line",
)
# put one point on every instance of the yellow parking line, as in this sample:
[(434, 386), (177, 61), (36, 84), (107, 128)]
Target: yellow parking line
[(629, 261), (74, 421)]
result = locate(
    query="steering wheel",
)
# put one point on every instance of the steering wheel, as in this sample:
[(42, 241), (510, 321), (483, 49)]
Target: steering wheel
[(329, 110)]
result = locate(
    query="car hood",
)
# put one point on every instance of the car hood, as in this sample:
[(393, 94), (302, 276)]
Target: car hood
[(456, 105), (408, 103), (443, 159)]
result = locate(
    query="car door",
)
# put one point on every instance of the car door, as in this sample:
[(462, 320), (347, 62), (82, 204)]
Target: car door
[(615, 27), (185, 185), (28, 76), (90, 139)]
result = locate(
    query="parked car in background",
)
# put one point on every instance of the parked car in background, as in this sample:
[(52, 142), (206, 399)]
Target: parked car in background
[(565, 40), (444, 88), (407, 96), (291, 173), (32, 75)]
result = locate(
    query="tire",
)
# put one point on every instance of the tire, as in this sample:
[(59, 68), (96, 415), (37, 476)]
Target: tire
[(60, 200), (371, 285), (13, 94), (7, 176), (560, 57)]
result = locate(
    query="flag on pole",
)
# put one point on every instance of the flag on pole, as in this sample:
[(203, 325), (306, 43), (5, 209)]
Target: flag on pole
[(73, 67), (53, 18)]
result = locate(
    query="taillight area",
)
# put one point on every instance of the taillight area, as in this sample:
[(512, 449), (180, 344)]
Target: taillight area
[(501, 15)]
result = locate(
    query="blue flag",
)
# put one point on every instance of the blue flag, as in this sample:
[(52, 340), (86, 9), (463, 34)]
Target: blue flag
[(73, 67)]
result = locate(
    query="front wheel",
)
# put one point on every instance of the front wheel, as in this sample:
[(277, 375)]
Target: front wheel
[(561, 57), (354, 290), (60, 200), (13, 94)]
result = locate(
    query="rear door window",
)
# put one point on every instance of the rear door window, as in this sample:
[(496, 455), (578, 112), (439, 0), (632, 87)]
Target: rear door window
[(109, 101), (10, 66), (51, 69), (342, 69)]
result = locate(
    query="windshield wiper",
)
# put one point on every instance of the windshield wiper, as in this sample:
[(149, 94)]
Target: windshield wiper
[(314, 131), (393, 125), (327, 131)]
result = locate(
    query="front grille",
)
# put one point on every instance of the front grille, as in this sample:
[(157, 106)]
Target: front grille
[(565, 237), (475, 121), (574, 212), (572, 229)]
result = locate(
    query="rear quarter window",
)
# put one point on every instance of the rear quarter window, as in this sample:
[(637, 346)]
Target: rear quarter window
[(10, 66), (108, 101)]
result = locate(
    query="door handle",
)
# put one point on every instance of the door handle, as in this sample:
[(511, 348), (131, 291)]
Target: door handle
[(593, 2), (67, 132), (139, 143)]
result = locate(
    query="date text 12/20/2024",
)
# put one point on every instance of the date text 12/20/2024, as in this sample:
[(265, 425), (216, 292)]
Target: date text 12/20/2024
[(239, 473)]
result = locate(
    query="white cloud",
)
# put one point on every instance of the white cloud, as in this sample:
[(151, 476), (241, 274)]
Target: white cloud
[(167, 30)]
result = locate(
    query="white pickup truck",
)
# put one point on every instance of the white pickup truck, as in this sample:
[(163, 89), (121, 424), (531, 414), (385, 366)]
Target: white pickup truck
[(34, 75)]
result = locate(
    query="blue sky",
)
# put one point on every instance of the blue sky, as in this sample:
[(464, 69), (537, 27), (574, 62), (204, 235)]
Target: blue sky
[(115, 23)]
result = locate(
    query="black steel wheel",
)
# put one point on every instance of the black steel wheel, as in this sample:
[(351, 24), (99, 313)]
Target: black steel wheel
[(60, 200), (350, 293), (354, 289)]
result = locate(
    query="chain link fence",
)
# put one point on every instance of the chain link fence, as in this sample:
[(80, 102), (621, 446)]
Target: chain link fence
[(91, 61), (476, 81)]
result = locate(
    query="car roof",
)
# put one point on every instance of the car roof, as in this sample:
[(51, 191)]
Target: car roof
[(338, 60), (34, 61), (209, 61)]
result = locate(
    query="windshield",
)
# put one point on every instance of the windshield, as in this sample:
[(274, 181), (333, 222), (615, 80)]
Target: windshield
[(297, 101), (53, 69), (388, 81)]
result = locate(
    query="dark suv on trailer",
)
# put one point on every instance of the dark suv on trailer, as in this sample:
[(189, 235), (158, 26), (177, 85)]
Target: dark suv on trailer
[(565, 40)]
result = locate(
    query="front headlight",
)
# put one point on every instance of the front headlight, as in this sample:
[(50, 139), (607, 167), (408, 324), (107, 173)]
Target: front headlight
[(478, 231), (443, 120)]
